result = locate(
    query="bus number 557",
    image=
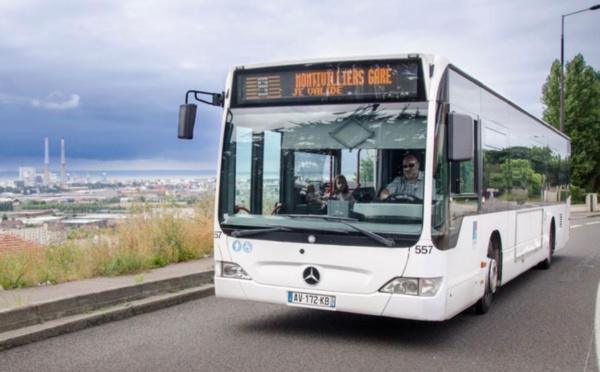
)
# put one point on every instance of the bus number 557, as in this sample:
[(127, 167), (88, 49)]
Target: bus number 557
[(423, 249)]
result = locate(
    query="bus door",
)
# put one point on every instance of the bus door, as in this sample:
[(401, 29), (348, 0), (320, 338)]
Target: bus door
[(307, 175)]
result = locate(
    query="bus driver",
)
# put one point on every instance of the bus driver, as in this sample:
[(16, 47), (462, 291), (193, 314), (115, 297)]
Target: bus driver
[(409, 183)]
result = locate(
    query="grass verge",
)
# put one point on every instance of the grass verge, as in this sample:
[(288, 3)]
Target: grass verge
[(144, 241)]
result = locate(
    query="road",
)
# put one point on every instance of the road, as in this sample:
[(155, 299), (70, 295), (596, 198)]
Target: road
[(543, 320)]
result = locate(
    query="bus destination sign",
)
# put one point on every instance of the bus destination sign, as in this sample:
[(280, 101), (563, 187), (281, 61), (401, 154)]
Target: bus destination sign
[(342, 82)]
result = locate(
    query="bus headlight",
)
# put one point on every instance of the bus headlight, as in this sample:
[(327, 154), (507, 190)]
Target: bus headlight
[(429, 286), (233, 271), (407, 286), (426, 287)]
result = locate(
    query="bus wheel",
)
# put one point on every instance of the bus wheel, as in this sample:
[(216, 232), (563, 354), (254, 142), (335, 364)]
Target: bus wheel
[(545, 265), (491, 283)]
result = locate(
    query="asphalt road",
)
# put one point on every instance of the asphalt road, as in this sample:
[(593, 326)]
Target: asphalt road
[(543, 320)]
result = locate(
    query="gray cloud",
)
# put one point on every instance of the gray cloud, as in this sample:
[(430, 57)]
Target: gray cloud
[(132, 61)]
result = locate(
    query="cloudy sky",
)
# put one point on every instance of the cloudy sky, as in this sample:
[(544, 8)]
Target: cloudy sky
[(108, 76)]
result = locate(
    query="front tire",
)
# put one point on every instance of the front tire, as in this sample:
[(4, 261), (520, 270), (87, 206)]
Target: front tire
[(491, 284)]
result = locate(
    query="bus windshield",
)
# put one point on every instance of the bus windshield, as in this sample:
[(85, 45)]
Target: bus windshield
[(285, 166)]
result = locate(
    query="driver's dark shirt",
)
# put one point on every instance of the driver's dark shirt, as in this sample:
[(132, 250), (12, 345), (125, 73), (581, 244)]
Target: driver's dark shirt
[(401, 186)]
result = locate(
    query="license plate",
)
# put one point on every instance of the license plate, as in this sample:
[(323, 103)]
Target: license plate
[(311, 299)]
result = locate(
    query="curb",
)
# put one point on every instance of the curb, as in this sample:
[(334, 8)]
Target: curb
[(75, 323), (21, 317)]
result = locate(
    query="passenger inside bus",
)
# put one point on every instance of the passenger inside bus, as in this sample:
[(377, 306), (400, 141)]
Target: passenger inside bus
[(311, 195), (341, 190)]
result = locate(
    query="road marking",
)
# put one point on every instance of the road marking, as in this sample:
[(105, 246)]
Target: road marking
[(585, 224), (597, 325)]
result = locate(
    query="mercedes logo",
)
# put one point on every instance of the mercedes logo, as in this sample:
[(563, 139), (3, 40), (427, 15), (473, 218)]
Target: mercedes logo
[(311, 275)]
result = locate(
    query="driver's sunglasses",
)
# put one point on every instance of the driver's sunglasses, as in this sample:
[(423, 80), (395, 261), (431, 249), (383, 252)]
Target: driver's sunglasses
[(409, 165)]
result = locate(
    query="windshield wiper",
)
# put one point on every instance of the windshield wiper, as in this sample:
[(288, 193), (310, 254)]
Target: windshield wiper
[(238, 233), (344, 220), (372, 235)]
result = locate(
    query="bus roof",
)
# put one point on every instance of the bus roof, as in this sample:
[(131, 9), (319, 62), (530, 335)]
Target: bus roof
[(427, 57)]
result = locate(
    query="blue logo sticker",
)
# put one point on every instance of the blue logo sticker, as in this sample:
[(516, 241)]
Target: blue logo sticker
[(237, 246), (247, 247)]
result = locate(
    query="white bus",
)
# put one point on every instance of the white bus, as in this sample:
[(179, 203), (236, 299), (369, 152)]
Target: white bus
[(488, 202)]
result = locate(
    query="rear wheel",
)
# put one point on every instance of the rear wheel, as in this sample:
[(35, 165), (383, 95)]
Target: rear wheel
[(545, 265), (491, 283)]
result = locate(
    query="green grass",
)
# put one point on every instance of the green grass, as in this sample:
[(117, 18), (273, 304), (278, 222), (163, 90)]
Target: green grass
[(145, 241)]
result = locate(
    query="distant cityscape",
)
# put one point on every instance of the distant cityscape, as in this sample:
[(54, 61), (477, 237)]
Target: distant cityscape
[(41, 207), (27, 177)]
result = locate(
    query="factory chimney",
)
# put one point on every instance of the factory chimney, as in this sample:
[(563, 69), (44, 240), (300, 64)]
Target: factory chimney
[(46, 162), (63, 163)]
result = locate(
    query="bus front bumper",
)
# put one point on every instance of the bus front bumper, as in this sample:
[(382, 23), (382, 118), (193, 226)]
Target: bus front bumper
[(381, 304)]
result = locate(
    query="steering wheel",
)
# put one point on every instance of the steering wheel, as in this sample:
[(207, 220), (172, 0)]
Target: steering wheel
[(403, 198)]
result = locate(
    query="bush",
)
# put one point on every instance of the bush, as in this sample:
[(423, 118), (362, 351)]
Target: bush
[(6, 206), (16, 269), (577, 195), (63, 263)]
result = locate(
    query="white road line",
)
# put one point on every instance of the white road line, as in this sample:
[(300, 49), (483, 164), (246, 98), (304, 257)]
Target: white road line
[(575, 226), (597, 325), (592, 223)]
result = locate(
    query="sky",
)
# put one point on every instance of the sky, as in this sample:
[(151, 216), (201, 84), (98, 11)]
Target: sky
[(109, 76)]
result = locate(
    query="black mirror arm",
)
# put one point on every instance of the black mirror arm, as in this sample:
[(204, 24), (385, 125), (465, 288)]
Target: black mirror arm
[(218, 99)]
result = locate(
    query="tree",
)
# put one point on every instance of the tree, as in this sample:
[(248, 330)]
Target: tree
[(6, 206), (366, 170), (582, 117)]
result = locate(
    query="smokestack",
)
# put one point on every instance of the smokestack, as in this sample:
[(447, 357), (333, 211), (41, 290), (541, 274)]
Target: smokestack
[(63, 163), (46, 161)]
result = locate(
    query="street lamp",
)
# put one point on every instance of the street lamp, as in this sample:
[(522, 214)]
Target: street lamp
[(562, 63)]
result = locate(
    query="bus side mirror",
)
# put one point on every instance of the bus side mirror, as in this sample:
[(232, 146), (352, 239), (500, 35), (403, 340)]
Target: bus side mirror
[(187, 117), (461, 134)]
